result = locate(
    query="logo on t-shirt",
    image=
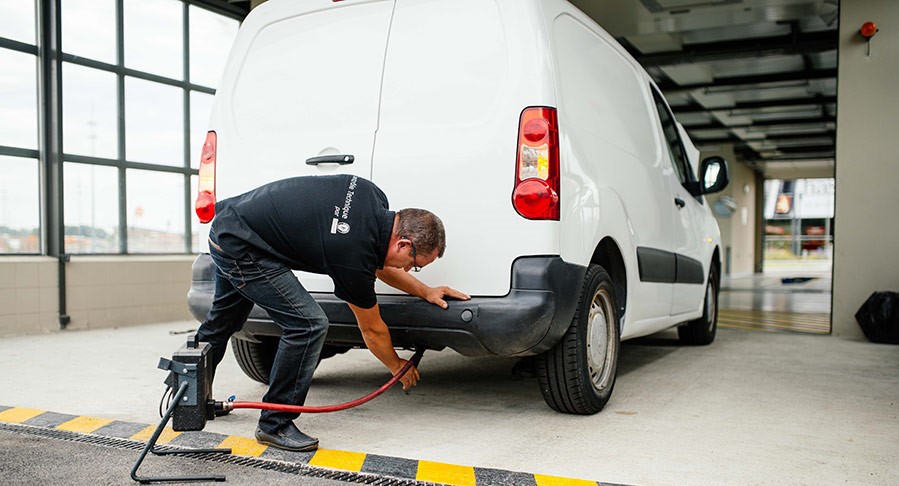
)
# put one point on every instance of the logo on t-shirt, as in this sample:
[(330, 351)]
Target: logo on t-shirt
[(338, 226), (341, 226)]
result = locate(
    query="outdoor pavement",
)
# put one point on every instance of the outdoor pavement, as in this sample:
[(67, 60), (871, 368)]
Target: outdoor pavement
[(31, 460)]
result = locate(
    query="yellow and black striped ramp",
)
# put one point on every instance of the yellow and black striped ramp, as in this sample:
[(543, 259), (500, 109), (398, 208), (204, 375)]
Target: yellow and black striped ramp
[(756, 320), (398, 470)]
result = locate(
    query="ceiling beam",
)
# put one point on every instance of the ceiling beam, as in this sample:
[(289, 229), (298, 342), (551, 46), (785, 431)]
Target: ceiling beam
[(749, 105), (806, 149), (798, 136), (802, 43), (765, 123), (824, 146), (810, 157), (748, 82), (233, 9)]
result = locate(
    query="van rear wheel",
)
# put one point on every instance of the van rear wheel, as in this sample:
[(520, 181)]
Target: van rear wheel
[(702, 331), (578, 374), (256, 358)]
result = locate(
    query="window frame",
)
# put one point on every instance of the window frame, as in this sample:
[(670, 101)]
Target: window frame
[(685, 173), (34, 154), (48, 49)]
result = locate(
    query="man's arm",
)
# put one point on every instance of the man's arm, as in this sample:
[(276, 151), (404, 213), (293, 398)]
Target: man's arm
[(405, 281), (377, 339)]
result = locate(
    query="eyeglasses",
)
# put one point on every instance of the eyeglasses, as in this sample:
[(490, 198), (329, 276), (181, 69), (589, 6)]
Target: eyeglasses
[(415, 267)]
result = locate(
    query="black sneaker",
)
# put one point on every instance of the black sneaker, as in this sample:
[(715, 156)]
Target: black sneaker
[(288, 438)]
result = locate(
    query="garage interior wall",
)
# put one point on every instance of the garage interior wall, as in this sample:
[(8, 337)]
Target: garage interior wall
[(867, 162), (103, 292)]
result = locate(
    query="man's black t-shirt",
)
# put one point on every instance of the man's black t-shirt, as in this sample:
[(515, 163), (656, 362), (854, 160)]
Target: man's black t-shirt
[(335, 225)]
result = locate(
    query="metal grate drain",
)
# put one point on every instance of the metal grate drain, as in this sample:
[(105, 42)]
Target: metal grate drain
[(254, 462)]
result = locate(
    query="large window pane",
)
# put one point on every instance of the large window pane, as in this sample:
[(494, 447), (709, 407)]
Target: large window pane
[(211, 36), (91, 208), (17, 20), (200, 107), (89, 114), (153, 37), (155, 212), (154, 127), (88, 29), (18, 99), (20, 212)]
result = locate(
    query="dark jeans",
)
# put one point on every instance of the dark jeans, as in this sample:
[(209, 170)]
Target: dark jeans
[(260, 279)]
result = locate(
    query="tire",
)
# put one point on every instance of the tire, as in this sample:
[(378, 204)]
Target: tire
[(256, 357), (578, 374), (702, 331)]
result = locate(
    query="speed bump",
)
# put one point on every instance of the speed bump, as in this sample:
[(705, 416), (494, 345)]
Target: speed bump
[(19, 415), (347, 461)]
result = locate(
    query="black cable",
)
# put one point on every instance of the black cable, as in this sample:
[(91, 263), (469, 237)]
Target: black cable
[(167, 392)]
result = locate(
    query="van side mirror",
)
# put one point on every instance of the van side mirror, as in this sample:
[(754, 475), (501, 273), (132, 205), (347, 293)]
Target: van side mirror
[(713, 175)]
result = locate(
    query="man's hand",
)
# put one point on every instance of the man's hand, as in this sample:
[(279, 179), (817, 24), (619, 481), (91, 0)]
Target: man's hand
[(411, 377), (435, 295), (402, 280)]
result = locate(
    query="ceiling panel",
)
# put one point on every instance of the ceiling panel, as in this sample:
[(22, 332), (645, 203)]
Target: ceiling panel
[(757, 65), (732, 32), (760, 74)]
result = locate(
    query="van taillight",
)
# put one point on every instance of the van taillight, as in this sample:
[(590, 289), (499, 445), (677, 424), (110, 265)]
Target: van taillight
[(536, 193), (205, 205)]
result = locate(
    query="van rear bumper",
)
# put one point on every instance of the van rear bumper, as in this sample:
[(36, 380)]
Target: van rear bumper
[(529, 320)]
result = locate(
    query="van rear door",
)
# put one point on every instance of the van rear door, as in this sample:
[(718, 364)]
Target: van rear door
[(303, 82), (457, 77)]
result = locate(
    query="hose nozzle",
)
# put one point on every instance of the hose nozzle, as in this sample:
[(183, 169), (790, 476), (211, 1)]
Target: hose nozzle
[(220, 408)]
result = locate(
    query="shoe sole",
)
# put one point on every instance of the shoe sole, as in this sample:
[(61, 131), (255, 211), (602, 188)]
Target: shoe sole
[(308, 448)]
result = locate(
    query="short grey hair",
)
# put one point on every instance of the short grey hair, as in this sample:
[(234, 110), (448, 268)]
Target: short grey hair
[(423, 228)]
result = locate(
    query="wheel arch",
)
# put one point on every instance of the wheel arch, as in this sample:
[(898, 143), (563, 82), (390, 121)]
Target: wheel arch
[(608, 255)]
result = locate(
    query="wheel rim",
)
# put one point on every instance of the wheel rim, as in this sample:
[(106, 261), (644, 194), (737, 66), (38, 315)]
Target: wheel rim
[(598, 343)]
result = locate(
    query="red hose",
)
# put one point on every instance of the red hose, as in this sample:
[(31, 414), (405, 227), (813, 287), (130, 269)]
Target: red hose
[(280, 407)]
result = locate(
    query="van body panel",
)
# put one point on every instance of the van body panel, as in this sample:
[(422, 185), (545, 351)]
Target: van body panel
[(457, 76), (607, 153), (695, 233), (303, 80)]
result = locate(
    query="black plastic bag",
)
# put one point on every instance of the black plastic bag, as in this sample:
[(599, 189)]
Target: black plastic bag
[(879, 317)]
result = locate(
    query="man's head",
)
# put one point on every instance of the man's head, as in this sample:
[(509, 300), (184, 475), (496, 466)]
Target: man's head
[(418, 239)]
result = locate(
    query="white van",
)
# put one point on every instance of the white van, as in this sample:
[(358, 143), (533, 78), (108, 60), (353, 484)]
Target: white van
[(573, 211)]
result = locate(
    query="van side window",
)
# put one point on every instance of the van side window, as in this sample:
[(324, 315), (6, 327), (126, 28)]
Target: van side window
[(672, 139)]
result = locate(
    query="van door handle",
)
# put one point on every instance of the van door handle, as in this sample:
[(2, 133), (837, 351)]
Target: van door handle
[(679, 202), (342, 159)]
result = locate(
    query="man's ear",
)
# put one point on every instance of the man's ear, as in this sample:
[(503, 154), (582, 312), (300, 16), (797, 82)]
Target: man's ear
[(397, 244)]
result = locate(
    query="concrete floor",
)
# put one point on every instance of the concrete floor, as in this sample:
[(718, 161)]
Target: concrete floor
[(773, 290), (752, 408)]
